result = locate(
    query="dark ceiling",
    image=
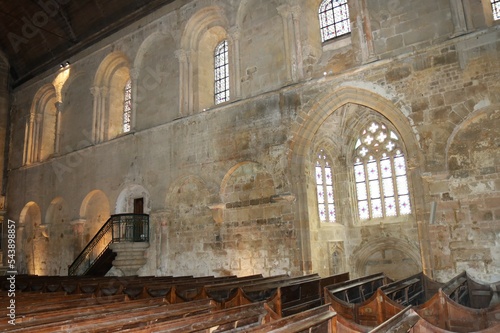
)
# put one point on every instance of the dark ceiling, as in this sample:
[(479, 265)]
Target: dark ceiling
[(36, 35)]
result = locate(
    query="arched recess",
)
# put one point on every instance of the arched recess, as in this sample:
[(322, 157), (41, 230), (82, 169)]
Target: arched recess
[(129, 198), (29, 221), (94, 212), (42, 131), (320, 116), (203, 32), (256, 21), (108, 90), (394, 257), (76, 112), (59, 238), (247, 181), (473, 145), (154, 77)]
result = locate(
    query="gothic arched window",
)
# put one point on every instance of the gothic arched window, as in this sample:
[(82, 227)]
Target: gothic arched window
[(380, 174), (333, 19), (495, 4), (324, 189), (127, 107), (221, 88)]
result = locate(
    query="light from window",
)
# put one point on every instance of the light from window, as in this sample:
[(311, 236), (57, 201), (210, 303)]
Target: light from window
[(380, 174), (221, 73), (495, 4), (127, 107), (334, 19), (324, 189)]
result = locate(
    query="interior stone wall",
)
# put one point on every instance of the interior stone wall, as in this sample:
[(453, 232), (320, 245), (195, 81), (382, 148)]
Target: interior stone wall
[(230, 190)]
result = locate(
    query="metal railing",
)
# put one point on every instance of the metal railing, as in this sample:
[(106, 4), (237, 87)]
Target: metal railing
[(130, 228), (118, 228)]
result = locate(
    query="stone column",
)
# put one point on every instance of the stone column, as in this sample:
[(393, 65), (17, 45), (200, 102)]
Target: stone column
[(134, 81), (183, 81), (57, 139), (365, 32), (299, 58), (290, 57), (96, 93), (460, 16), (235, 70), (161, 222), (78, 228), (28, 139), (37, 137)]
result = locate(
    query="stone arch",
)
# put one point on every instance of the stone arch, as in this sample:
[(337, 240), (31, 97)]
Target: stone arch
[(29, 221), (256, 21), (153, 86), (41, 138), (76, 118), (393, 252), (204, 30), (315, 113), (108, 90), (247, 181), (94, 212), (60, 240), (317, 110), (125, 200), (471, 146)]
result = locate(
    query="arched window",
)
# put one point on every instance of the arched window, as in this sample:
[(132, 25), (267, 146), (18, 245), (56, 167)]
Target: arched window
[(324, 189), (334, 19), (380, 174), (495, 4), (127, 107), (221, 73)]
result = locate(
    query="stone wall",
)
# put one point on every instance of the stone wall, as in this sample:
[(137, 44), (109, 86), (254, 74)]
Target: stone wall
[(230, 188)]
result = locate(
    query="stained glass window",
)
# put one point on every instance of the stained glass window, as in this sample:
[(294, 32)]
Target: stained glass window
[(127, 107), (334, 19), (324, 189), (380, 174), (495, 4), (221, 73)]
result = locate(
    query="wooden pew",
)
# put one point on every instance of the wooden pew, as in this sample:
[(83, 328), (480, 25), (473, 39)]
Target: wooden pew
[(414, 290), (118, 319), (232, 319), (443, 312)]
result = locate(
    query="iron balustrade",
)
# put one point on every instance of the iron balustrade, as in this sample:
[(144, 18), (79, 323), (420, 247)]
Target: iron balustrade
[(118, 228), (130, 228)]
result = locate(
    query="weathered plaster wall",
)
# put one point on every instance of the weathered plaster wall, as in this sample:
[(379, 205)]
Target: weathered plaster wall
[(230, 190)]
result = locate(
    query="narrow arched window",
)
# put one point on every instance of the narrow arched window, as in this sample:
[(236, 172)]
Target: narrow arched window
[(127, 107), (334, 19), (495, 4), (221, 88), (380, 174), (324, 189)]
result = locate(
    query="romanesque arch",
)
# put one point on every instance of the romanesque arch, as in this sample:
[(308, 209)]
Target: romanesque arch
[(108, 91), (155, 78), (94, 212), (129, 195), (30, 220)]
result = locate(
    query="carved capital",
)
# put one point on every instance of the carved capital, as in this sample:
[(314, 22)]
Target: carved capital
[(285, 11)]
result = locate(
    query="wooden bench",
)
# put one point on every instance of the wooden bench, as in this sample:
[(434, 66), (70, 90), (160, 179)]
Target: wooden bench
[(117, 318), (245, 316)]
